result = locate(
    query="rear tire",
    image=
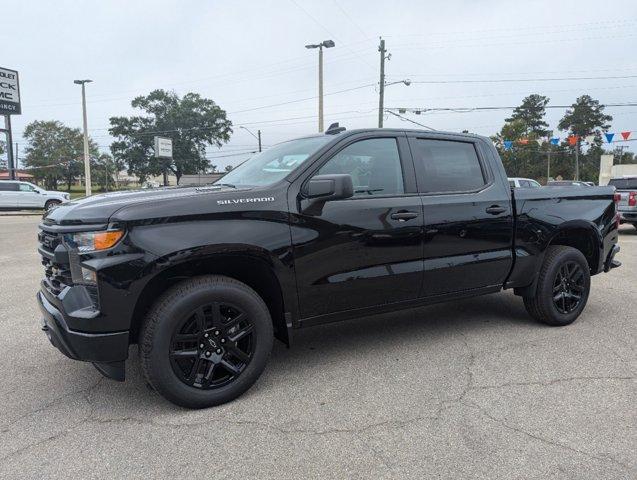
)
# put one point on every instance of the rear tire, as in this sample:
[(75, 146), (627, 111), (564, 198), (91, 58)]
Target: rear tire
[(562, 289), (205, 341)]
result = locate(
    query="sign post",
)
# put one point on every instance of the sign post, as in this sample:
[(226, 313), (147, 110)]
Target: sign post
[(164, 149), (9, 105)]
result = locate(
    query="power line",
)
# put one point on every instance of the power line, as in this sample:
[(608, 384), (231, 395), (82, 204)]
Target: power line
[(405, 119), (331, 34), (526, 80), (477, 109), (351, 20)]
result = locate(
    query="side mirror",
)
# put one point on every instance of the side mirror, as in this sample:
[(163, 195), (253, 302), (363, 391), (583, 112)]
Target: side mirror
[(329, 187)]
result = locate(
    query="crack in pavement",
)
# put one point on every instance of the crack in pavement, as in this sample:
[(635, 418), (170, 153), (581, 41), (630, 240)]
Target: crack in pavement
[(547, 383), (547, 441)]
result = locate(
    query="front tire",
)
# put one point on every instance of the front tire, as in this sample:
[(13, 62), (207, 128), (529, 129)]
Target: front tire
[(563, 287), (205, 341), (50, 204)]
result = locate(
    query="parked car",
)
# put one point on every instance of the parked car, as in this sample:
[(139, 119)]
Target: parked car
[(24, 195), (566, 183), (627, 191), (313, 230), (517, 182)]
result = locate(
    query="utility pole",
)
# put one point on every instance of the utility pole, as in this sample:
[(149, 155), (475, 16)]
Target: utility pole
[(257, 136), (548, 164), (87, 160), (381, 96), (577, 159), (320, 93), (17, 157), (620, 153)]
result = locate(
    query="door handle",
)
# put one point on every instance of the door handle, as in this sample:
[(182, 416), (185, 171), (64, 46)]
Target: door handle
[(403, 216), (495, 210)]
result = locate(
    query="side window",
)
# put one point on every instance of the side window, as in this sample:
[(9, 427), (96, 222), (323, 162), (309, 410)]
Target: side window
[(449, 166), (374, 165), (525, 183), (8, 187), (25, 187), (512, 183)]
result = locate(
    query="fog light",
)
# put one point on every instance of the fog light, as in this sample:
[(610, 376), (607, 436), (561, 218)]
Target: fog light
[(89, 276)]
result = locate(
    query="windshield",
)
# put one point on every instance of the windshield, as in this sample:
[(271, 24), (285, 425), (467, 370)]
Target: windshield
[(274, 164), (624, 183)]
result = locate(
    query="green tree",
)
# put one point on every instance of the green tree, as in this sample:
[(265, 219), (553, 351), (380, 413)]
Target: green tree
[(192, 122), (586, 117), (531, 114), (522, 159), (103, 171), (55, 151)]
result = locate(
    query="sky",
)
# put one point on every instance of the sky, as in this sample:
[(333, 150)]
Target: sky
[(249, 57)]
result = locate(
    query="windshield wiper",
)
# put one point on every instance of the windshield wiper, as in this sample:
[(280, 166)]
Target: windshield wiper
[(226, 185)]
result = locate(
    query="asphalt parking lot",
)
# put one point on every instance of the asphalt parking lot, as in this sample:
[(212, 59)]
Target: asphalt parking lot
[(473, 389)]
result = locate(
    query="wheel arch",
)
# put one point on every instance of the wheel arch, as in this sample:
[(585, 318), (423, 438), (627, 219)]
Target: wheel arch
[(582, 236), (578, 234), (252, 268)]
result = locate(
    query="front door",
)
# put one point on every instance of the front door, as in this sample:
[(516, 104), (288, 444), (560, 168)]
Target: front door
[(366, 250), (29, 197), (468, 220)]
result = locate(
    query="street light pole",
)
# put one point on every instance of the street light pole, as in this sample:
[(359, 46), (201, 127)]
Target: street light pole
[(87, 161), (326, 44)]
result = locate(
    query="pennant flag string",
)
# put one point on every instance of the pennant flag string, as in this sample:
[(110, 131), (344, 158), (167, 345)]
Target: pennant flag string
[(571, 139)]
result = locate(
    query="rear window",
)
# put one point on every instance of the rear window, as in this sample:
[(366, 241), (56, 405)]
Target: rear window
[(624, 183), (8, 186)]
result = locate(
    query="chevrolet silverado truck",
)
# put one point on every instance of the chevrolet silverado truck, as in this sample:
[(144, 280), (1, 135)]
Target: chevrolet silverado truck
[(314, 230)]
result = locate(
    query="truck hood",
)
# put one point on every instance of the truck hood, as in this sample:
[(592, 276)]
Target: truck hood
[(99, 209)]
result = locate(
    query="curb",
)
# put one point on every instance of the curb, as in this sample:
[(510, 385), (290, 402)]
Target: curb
[(25, 213)]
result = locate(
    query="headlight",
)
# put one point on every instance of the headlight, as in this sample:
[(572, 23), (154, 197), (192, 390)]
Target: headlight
[(94, 241)]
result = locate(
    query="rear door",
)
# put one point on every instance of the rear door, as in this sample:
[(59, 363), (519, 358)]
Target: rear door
[(9, 194), (468, 220), (366, 250)]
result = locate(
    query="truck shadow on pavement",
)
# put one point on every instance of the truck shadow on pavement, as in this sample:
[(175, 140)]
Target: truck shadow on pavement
[(350, 341)]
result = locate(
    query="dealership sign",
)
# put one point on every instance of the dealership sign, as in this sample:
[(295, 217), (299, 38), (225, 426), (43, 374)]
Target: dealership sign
[(163, 147), (9, 92)]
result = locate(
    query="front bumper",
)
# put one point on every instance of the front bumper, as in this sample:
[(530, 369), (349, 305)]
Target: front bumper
[(107, 351)]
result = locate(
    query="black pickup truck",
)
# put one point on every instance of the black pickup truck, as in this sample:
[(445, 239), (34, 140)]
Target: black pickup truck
[(314, 230)]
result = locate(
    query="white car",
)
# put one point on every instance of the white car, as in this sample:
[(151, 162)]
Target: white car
[(22, 195), (517, 182)]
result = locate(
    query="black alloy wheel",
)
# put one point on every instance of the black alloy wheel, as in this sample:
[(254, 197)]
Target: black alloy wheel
[(205, 341), (563, 286), (212, 346), (568, 287)]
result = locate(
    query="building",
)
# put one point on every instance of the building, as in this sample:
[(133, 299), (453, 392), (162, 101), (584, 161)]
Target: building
[(19, 175), (607, 170)]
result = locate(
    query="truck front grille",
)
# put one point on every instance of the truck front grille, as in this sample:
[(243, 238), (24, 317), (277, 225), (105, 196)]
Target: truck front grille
[(58, 276)]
